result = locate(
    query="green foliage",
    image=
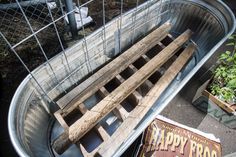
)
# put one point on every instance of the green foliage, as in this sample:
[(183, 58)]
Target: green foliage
[(223, 84)]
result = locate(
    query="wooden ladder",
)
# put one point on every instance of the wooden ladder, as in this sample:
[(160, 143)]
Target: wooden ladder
[(139, 76)]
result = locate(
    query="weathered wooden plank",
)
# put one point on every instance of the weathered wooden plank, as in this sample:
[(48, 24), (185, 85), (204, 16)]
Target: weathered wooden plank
[(103, 92), (84, 151), (146, 58), (171, 37), (62, 143), (82, 108), (147, 83), (60, 119), (90, 118), (60, 115), (135, 96), (161, 45), (104, 75), (78, 129), (139, 112), (119, 111), (102, 132)]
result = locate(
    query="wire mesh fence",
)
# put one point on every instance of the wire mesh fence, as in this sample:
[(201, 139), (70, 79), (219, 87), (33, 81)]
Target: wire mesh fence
[(34, 31), (19, 20), (43, 19)]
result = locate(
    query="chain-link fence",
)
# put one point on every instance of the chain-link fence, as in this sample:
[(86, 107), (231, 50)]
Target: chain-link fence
[(38, 29), (28, 24), (33, 31), (20, 21)]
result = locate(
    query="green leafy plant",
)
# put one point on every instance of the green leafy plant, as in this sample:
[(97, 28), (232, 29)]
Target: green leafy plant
[(223, 84)]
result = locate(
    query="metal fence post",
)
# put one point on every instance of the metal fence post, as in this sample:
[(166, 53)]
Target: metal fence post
[(71, 17)]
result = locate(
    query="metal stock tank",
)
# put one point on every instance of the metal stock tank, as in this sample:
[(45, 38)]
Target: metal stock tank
[(30, 121)]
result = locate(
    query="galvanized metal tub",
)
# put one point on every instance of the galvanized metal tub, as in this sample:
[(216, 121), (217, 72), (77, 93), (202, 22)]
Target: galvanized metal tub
[(30, 121)]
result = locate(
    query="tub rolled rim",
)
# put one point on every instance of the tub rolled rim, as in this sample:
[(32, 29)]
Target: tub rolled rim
[(12, 119)]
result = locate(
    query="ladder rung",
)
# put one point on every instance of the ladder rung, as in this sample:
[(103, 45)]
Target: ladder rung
[(119, 111)]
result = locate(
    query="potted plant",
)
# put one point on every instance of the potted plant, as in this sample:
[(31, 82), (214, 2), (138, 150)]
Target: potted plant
[(222, 86), (220, 89), (217, 96)]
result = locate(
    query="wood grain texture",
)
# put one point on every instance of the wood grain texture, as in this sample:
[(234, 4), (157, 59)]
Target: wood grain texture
[(134, 96), (147, 83), (131, 122), (62, 143), (119, 111), (87, 122), (60, 119), (92, 117), (57, 146), (111, 101), (136, 115), (104, 75)]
